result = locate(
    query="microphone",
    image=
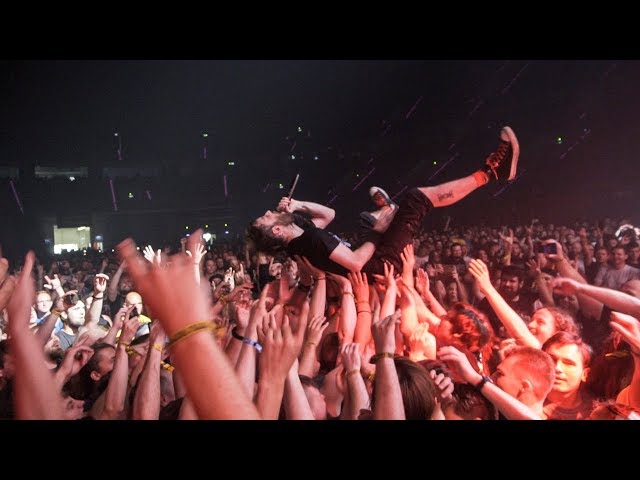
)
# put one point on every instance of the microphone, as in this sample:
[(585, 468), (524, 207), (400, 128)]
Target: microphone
[(293, 185)]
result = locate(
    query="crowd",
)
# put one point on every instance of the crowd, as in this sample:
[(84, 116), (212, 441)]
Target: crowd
[(535, 321)]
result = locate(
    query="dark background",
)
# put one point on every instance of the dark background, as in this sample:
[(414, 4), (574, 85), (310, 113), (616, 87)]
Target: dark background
[(576, 122)]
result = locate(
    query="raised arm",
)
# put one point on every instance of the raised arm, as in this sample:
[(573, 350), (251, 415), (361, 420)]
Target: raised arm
[(348, 314), (614, 299), (388, 404), (360, 285), (589, 306), (629, 328), (176, 301), (356, 393), (280, 347), (516, 327), (296, 405), (321, 216), (431, 302), (95, 310), (112, 292), (35, 393), (509, 406), (353, 260), (543, 290), (112, 405), (146, 403)]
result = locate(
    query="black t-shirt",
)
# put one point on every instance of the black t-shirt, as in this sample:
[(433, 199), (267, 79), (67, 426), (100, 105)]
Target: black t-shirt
[(316, 245), (115, 305), (523, 307)]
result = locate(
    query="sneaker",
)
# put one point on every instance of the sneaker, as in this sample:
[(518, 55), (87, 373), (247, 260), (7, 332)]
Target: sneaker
[(379, 220), (502, 164), (380, 197)]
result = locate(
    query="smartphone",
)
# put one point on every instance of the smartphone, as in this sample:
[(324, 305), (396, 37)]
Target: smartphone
[(550, 248)]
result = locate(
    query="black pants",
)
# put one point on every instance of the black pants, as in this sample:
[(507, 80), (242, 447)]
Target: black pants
[(414, 206)]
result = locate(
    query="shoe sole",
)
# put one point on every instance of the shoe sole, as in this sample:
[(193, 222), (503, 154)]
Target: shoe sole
[(384, 194), (515, 147)]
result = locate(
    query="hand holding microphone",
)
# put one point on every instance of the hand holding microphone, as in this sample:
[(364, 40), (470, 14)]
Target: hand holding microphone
[(287, 204)]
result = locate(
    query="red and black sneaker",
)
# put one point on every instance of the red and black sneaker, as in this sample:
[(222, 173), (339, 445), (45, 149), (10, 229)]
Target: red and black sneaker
[(503, 163)]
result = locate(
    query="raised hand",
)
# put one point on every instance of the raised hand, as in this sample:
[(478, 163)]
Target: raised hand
[(480, 272), (454, 274), (149, 254), (19, 306), (628, 327), (200, 251), (243, 314), (565, 286), (228, 278), (408, 264), (507, 239), (52, 283), (166, 290), (444, 384), (315, 329), (384, 333), (534, 268), (76, 357), (350, 354), (287, 204), (129, 330), (458, 362), (529, 231), (280, 347), (305, 265), (506, 346), (422, 282), (360, 286), (100, 283), (554, 257)]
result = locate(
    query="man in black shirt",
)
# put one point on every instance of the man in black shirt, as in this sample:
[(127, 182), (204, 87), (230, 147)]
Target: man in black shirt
[(282, 230)]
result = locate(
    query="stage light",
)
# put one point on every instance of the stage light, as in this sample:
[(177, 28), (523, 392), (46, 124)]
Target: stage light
[(130, 195)]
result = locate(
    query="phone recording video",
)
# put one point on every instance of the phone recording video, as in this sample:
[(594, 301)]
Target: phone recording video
[(549, 249)]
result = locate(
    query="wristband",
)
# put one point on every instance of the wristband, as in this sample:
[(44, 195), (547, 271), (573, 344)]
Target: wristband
[(380, 355)]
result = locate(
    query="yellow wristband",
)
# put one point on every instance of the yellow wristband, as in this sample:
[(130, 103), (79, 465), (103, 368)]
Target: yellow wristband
[(190, 330), (158, 347), (355, 371), (380, 355)]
